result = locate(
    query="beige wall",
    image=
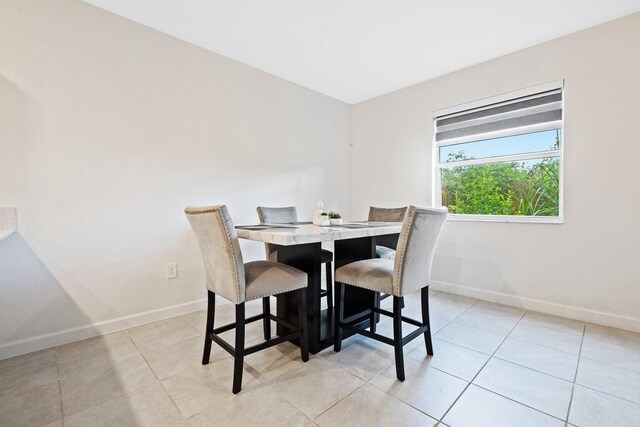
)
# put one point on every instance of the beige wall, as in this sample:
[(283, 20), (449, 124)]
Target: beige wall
[(587, 267), (108, 129)]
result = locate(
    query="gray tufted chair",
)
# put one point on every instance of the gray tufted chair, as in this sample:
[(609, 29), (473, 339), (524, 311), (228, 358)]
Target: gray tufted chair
[(229, 277), (386, 245), (408, 273), (289, 215)]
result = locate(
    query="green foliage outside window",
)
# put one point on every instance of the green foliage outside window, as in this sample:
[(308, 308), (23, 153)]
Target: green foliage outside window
[(509, 188)]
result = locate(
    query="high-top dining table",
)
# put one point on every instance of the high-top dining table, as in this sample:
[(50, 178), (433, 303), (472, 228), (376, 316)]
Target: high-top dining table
[(299, 245)]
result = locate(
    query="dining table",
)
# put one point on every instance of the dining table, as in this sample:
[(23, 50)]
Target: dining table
[(299, 245)]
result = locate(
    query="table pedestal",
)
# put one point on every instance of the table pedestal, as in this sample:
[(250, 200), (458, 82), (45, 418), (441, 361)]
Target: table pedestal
[(306, 257)]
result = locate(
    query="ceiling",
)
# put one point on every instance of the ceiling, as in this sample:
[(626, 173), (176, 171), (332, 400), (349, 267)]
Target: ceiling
[(353, 50)]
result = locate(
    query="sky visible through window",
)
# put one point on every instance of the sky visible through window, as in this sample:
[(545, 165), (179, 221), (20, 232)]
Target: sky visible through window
[(517, 144)]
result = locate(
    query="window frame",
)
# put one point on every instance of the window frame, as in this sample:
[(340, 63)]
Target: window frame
[(437, 166)]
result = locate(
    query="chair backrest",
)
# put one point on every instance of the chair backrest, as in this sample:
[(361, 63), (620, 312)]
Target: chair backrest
[(387, 214), (277, 215), (418, 238), (220, 250), (284, 215)]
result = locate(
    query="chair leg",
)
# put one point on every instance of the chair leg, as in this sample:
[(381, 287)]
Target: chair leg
[(329, 270), (302, 319), (266, 322), (211, 314), (424, 297), (239, 349), (397, 336), (339, 316), (372, 318)]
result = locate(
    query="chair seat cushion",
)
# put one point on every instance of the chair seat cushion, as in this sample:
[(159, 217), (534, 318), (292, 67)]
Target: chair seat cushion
[(385, 252), (266, 278), (326, 256), (375, 274)]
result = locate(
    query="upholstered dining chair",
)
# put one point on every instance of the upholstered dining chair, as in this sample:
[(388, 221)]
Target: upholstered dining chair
[(229, 277), (385, 245), (409, 272), (289, 215)]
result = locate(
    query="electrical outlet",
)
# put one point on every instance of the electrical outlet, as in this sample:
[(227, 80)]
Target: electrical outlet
[(172, 270)]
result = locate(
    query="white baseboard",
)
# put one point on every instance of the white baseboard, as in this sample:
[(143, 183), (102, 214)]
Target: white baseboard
[(571, 312), (27, 345)]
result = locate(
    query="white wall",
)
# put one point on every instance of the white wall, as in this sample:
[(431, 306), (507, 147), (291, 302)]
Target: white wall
[(589, 266), (108, 130)]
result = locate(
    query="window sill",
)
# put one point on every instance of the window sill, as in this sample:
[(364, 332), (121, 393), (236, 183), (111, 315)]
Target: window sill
[(507, 218)]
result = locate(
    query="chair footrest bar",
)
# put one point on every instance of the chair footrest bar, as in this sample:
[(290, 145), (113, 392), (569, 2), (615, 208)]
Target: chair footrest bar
[(390, 314), (249, 350), (405, 340), (224, 328), (412, 321), (367, 333), (414, 334), (272, 342), (254, 318), (358, 316), (222, 343), (230, 326), (284, 322), (382, 311)]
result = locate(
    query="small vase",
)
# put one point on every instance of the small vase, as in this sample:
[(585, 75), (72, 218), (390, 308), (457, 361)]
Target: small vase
[(336, 221)]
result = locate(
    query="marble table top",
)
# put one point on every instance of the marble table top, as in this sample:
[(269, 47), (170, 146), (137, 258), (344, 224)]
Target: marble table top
[(307, 233)]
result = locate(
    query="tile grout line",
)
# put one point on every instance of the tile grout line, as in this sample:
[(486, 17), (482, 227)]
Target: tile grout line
[(350, 393), (431, 367), (469, 382), (267, 382), (533, 323), (175, 405), (259, 378), (526, 367), (483, 366), (127, 392), (545, 346), (440, 422), (367, 382), (464, 324), (519, 403), (575, 376), (609, 394), (532, 369), (507, 336), (535, 370)]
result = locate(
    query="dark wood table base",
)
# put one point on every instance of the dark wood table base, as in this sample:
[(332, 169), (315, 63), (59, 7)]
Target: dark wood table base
[(306, 257)]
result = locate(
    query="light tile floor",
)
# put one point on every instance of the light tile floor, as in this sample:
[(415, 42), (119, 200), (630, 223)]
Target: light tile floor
[(494, 366)]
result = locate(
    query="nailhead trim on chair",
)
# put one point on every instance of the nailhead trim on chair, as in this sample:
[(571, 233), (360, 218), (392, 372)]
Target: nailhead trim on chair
[(232, 252), (270, 295), (196, 210), (397, 276), (361, 286)]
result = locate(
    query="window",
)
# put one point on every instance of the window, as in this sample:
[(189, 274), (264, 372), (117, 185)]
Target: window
[(501, 159)]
